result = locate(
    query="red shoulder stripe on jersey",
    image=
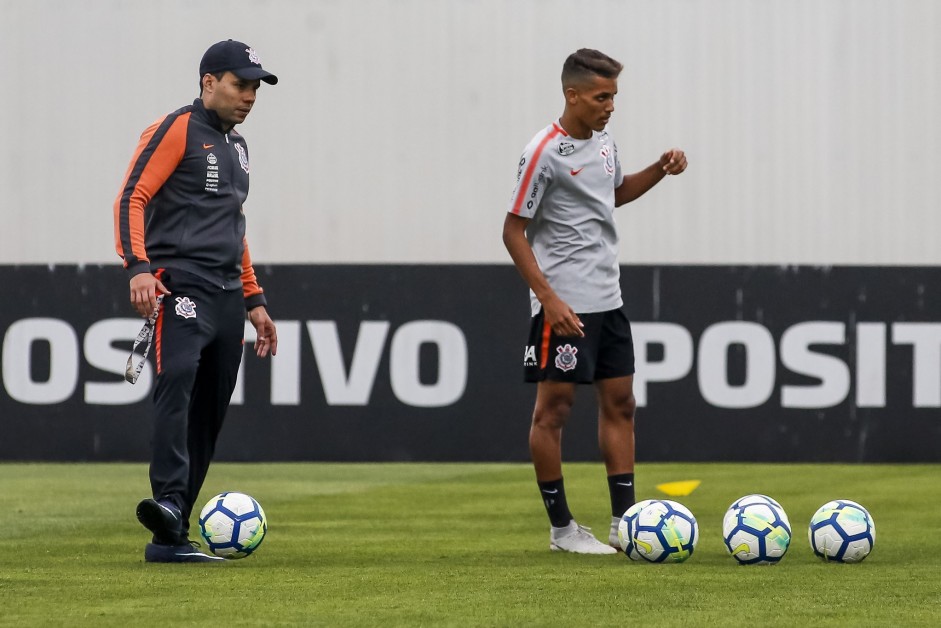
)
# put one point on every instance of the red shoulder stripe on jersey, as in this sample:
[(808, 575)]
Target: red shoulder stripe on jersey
[(559, 129), (158, 153), (528, 173)]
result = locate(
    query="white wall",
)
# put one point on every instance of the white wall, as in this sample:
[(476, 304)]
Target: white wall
[(811, 126)]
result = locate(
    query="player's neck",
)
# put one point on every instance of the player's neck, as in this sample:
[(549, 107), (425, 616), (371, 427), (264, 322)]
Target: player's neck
[(574, 127)]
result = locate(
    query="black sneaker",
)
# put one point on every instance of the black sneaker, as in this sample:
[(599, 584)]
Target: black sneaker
[(162, 518), (183, 553)]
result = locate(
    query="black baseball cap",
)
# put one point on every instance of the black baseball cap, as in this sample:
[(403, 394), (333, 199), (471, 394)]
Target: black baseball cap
[(235, 57)]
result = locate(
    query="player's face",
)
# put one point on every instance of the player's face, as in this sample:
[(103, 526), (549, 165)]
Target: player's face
[(593, 102), (230, 97)]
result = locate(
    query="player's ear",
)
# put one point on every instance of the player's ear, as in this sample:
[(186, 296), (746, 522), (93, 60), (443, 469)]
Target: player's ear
[(571, 95)]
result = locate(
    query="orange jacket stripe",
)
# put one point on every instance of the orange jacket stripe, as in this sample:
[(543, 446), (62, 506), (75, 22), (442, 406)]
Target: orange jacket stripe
[(158, 153), (531, 168), (158, 328), (250, 285), (158, 338)]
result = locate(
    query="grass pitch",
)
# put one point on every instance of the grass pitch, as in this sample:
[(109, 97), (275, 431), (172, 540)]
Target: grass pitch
[(456, 545)]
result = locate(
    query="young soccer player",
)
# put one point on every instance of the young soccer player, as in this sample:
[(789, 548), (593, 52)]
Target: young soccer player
[(561, 235)]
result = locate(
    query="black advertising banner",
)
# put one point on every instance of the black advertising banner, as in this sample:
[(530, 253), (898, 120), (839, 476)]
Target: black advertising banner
[(424, 362)]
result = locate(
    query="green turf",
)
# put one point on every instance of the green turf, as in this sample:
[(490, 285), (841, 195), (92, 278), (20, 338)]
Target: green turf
[(459, 545)]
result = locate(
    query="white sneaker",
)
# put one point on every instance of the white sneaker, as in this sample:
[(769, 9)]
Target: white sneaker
[(613, 539), (578, 540)]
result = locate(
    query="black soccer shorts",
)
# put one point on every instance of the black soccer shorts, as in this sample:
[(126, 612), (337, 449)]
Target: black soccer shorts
[(606, 350)]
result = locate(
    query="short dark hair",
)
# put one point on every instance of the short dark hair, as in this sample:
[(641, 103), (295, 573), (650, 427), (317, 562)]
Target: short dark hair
[(218, 76), (584, 63)]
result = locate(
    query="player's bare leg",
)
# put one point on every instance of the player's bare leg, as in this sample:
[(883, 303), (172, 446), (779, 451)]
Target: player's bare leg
[(616, 407), (553, 406)]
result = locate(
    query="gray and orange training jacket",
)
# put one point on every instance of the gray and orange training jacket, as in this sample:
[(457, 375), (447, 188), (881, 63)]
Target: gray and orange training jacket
[(181, 203)]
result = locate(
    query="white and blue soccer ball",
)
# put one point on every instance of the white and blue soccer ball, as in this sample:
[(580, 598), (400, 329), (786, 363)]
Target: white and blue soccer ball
[(756, 530), (755, 498), (663, 531), (626, 528), (842, 531), (233, 525)]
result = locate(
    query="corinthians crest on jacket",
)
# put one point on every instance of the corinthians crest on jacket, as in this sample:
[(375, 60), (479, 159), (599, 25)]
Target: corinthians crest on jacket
[(243, 157)]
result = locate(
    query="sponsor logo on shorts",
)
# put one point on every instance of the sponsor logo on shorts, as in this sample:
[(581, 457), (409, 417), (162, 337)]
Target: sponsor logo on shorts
[(566, 359), (529, 357), (185, 307)]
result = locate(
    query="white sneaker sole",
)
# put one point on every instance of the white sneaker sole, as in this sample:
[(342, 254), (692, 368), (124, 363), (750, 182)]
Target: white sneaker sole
[(555, 548)]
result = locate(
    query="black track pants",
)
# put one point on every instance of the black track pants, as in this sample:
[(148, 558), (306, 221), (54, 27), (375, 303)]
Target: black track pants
[(199, 344)]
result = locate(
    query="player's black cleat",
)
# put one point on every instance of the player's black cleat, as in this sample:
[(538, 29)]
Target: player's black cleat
[(182, 553), (162, 518)]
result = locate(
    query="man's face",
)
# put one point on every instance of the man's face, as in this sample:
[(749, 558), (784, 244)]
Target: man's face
[(592, 102), (230, 97)]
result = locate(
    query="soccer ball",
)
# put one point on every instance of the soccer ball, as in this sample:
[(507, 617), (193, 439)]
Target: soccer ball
[(665, 531), (756, 530), (842, 531), (626, 527), (755, 498), (233, 524)]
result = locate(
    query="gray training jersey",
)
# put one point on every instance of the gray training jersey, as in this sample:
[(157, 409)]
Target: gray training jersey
[(566, 187)]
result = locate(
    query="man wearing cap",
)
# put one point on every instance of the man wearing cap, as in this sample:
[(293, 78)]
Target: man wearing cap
[(179, 226)]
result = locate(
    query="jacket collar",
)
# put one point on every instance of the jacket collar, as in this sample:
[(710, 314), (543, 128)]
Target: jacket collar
[(210, 116)]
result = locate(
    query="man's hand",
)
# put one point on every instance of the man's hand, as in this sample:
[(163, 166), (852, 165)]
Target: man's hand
[(673, 161), (144, 290), (561, 318), (266, 336)]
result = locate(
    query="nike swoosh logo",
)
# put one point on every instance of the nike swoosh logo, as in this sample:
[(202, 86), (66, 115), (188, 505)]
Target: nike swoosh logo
[(574, 172), (552, 492), (208, 146), (173, 514), (625, 483)]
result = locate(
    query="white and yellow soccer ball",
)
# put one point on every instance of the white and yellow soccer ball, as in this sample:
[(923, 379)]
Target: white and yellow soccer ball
[(626, 527), (664, 531), (233, 525), (842, 531), (756, 530)]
